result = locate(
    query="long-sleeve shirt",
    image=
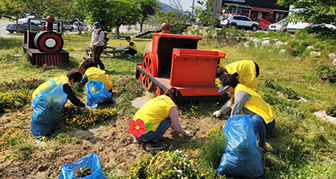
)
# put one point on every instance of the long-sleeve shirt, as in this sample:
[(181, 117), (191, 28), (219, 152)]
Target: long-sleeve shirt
[(240, 99), (97, 38), (71, 96), (173, 114), (239, 102)]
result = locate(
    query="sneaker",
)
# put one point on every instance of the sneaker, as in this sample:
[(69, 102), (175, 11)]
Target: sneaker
[(155, 146)]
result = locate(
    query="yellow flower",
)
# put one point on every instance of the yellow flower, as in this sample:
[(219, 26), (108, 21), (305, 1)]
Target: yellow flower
[(44, 138)]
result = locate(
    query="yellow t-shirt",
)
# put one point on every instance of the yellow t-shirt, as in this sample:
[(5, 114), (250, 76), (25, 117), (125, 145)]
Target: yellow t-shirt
[(256, 104), (58, 81), (155, 111), (246, 70), (94, 73)]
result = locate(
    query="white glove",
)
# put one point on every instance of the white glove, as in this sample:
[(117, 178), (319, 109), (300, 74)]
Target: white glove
[(87, 108), (187, 133), (217, 113)]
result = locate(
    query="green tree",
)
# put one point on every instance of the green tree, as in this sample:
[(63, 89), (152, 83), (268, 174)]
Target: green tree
[(125, 12), (148, 7), (205, 13), (315, 11), (12, 8)]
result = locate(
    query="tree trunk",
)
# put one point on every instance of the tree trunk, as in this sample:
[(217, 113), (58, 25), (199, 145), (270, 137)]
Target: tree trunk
[(17, 25), (141, 24), (117, 32)]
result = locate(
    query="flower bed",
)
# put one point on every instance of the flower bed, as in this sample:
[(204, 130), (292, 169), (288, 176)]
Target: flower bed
[(165, 165), (20, 84), (14, 100), (76, 118)]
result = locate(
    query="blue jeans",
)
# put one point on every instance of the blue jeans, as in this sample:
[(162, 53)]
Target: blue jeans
[(261, 128), (157, 135)]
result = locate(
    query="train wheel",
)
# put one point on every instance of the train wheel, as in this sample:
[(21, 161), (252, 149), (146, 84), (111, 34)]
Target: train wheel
[(158, 91), (148, 48), (149, 64), (146, 82)]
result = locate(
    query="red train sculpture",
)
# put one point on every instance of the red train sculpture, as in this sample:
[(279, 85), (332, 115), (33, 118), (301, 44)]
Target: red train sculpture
[(173, 60), (45, 47)]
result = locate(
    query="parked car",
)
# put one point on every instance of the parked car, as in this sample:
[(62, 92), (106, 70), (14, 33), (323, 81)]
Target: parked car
[(78, 25), (41, 21), (66, 26), (280, 26), (293, 27), (22, 26), (238, 22)]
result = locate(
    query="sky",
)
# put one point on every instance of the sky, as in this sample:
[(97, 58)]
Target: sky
[(186, 4)]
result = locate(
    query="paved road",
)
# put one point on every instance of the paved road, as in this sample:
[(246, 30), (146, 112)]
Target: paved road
[(3, 32)]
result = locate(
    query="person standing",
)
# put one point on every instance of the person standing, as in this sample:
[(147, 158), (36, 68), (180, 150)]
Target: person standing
[(97, 43)]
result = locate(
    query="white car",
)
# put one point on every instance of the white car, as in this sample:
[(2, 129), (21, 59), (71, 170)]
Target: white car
[(238, 22), (280, 26), (293, 27)]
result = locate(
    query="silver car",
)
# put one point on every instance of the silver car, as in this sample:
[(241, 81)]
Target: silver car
[(22, 26), (280, 26)]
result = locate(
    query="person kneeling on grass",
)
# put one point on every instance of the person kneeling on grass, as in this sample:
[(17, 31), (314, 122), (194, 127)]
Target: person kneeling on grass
[(69, 81), (162, 112), (246, 100), (94, 73), (132, 49)]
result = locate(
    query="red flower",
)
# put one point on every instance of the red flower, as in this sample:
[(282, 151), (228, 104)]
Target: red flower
[(137, 127)]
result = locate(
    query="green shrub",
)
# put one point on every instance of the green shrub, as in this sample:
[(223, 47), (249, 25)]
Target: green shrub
[(295, 47), (291, 94), (326, 73), (273, 85), (331, 111), (164, 165)]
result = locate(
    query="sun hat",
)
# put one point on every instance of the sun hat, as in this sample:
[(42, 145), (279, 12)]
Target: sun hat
[(96, 25)]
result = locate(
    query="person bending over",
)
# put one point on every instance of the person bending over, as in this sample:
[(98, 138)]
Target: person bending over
[(162, 112)]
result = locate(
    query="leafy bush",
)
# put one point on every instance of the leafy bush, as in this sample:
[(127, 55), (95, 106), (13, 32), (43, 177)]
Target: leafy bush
[(271, 84), (76, 118), (14, 100), (20, 84), (295, 47), (291, 94), (331, 111), (164, 165), (326, 73)]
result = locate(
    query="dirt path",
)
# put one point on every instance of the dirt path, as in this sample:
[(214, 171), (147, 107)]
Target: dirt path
[(112, 142)]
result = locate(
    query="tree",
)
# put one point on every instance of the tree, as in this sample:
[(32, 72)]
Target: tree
[(125, 12), (206, 16), (12, 8), (148, 7), (314, 11)]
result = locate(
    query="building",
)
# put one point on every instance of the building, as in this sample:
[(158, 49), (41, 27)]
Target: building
[(263, 11)]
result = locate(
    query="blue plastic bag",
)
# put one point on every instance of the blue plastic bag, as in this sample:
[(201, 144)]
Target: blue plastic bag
[(96, 93), (241, 157), (91, 160), (48, 109)]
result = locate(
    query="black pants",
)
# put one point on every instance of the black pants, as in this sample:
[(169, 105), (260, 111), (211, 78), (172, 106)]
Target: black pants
[(131, 51), (96, 56)]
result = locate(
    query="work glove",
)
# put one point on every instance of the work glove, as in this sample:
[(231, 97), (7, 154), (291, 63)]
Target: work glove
[(217, 113), (187, 133), (87, 108)]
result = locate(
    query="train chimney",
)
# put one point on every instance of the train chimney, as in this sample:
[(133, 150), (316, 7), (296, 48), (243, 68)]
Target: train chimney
[(50, 20), (165, 27)]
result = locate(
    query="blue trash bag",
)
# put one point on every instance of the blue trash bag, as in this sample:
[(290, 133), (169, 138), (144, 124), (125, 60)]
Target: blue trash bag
[(91, 160), (96, 93), (48, 109), (241, 157)]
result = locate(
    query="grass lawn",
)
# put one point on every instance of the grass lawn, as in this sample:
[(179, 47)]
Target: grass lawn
[(301, 145)]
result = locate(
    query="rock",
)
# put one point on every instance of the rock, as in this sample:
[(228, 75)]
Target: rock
[(285, 43), (331, 55), (314, 53), (282, 51), (279, 44), (325, 116), (256, 40), (310, 47), (246, 44), (334, 62), (17, 55), (265, 43)]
